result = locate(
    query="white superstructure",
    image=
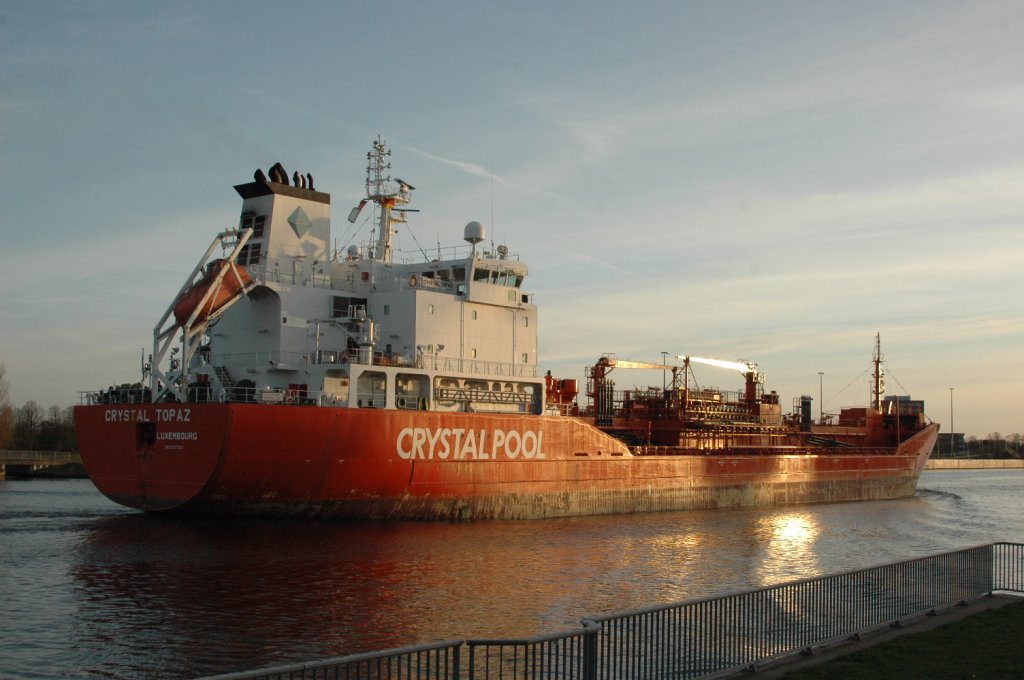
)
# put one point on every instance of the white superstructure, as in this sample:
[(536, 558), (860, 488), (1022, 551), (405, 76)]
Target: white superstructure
[(358, 328)]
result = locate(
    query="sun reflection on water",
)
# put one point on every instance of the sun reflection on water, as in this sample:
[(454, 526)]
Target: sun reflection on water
[(789, 552)]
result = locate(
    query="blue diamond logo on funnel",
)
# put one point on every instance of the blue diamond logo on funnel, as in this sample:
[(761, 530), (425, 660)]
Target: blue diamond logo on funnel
[(300, 222)]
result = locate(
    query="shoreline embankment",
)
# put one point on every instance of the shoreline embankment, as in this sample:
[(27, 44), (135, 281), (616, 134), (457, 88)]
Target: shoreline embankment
[(974, 464)]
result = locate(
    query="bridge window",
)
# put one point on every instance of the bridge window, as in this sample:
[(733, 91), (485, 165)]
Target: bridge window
[(250, 253), (342, 305), (371, 390), (258, 224)]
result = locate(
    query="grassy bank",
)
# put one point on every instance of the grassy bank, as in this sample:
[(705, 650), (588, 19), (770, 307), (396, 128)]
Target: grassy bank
[(985, 645)]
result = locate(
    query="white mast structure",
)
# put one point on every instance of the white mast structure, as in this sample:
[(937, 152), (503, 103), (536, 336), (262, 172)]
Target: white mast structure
[(387, 194)]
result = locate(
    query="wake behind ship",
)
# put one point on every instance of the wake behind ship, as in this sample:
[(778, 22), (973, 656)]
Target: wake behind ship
[(288, 379)]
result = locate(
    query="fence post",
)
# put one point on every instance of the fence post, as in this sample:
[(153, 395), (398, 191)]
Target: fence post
[(590, 649)]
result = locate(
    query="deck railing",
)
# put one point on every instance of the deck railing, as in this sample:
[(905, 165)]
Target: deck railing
[(703, 637)]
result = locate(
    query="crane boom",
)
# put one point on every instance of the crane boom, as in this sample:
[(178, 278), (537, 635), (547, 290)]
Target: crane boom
[(616, 363), (741, 366)]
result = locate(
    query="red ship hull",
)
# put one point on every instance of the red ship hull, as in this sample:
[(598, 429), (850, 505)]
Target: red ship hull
[(238, 458)]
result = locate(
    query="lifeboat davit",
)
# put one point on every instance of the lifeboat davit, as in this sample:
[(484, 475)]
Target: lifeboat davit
[(230, 287)]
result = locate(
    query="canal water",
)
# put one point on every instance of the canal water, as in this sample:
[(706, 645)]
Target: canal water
[(92, 590)]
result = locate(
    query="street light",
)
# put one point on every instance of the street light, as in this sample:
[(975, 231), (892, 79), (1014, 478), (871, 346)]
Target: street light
[(952, 430), (821, 397)]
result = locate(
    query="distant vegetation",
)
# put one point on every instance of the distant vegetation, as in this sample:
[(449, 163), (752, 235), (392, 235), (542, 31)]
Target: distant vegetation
[(33, 428), (996, 445)]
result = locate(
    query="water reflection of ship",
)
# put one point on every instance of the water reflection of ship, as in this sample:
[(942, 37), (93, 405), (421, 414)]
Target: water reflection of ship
[(228, 594), (156, 594)]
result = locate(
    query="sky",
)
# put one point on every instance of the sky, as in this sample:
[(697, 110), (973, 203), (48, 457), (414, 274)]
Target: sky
[(768, 181)]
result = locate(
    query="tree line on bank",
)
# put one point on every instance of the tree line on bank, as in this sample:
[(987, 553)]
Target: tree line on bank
[(996, 445), (31, 427)]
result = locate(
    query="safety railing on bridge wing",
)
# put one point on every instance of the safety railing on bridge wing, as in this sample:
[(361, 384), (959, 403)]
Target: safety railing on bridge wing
[(704, 637)]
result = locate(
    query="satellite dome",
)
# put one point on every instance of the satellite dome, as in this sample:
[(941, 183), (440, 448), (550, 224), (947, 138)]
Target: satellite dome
[(474, 233)]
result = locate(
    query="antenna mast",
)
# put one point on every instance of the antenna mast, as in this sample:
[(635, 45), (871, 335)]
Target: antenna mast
[(878, 388), (387, 194)]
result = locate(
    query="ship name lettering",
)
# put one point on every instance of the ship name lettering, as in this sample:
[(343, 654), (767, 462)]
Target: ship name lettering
[(424, 443), (179, 415), (125, 415)]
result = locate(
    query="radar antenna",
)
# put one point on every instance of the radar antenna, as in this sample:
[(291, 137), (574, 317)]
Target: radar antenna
[(387, 193)]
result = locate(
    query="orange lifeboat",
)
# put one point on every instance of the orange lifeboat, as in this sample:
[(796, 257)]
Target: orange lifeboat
[(231, 286)]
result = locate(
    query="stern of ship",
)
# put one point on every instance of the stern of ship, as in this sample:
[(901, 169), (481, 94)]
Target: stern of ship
[(152, 456)]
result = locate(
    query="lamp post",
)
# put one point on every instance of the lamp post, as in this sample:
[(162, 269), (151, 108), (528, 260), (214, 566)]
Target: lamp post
[(952, 430), (821, 397)]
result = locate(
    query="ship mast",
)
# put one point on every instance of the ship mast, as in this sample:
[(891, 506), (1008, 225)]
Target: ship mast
[(878, 386), (387, 194)]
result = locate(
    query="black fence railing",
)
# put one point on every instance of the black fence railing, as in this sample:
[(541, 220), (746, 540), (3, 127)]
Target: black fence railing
[(692, 639), (39, 457), (567, 654), (699, 637), (418, 662)]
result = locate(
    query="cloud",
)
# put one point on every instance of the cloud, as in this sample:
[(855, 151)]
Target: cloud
[(476, 170)]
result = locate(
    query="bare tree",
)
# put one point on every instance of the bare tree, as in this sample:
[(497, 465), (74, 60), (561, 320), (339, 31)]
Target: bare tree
[(6, 412), (4, 393), (27, 422)]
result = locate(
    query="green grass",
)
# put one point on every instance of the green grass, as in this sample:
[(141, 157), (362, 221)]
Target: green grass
[(989, 644)]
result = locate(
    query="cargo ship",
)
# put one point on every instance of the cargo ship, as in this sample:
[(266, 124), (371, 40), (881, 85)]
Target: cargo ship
[(290, 378)]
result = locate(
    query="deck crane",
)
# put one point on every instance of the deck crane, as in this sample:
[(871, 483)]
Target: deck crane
[(608, 362), (747, 368)]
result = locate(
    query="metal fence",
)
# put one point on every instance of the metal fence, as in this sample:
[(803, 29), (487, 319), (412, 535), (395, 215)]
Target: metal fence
[(702, 637), (419, 662), (699, 637), (567, 654), (38, 457)]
